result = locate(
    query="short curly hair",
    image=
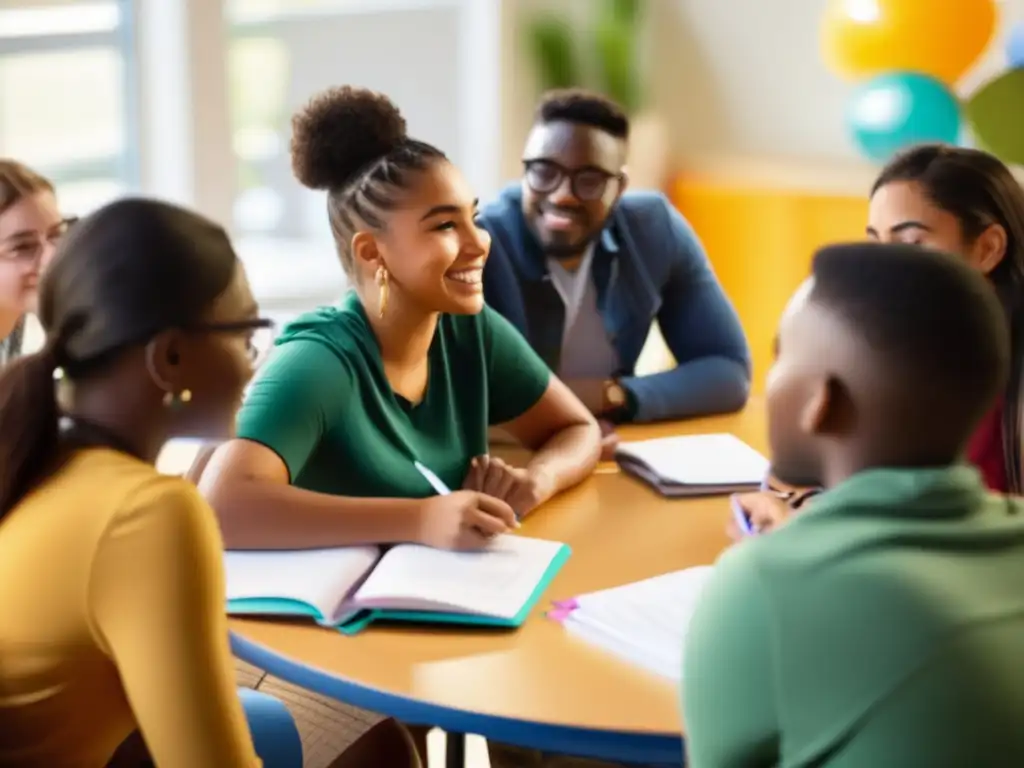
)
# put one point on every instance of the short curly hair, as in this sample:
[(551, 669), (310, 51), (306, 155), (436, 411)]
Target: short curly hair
[(932, 323), (353, 143), (576, 105)]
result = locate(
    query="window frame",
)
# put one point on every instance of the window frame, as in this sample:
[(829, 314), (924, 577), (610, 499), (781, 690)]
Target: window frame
[(125, 166)]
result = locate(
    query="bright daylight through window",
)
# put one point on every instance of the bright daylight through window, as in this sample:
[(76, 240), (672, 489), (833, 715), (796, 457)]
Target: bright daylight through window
[(57, 59)]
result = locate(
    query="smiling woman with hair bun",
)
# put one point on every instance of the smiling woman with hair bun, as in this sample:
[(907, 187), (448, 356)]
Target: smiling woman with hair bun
[(409, 370)]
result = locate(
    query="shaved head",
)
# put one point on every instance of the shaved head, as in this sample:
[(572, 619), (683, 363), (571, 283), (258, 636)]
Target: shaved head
[(889, 355)]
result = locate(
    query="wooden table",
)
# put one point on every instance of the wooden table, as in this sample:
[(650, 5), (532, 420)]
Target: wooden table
[(537, 687)]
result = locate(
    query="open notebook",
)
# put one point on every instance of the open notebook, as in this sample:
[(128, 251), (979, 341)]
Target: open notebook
[(349, 587), (644, 623), (694, 465)]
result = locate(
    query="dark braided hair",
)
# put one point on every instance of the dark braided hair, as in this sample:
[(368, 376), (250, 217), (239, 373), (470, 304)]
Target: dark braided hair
[(352, 142)]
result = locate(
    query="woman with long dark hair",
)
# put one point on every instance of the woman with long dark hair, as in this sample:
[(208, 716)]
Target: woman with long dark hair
[(111, 574), (967, 202)]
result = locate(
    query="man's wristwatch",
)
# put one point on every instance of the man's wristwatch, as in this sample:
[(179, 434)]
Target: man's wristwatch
[(617, 401)]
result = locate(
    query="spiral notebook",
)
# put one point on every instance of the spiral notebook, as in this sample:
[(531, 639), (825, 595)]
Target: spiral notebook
[(694, 465), (350, 587), (644, 623)]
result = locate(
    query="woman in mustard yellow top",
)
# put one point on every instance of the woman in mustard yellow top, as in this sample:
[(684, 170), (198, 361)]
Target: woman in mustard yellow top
[(111, 582)]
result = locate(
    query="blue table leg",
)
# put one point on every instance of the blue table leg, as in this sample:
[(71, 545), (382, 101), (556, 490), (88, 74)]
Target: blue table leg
[(273, 729)]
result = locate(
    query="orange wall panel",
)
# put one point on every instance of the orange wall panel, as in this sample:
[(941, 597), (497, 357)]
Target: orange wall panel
[(760, 242)]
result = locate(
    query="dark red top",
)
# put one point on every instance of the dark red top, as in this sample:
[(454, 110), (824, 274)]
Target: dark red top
[(985, 451)]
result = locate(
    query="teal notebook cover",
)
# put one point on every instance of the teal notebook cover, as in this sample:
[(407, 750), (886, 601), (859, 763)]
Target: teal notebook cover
[(360, 619)]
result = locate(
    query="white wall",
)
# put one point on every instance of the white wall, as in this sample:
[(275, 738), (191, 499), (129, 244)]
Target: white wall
[(744, 78), (741, 83), (440, 60)]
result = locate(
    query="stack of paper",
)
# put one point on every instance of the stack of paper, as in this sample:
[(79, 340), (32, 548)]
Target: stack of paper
[(644, 623), (694, 465)]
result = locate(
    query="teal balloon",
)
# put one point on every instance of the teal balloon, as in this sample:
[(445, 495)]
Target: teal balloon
[(995, 113), (897, 110)]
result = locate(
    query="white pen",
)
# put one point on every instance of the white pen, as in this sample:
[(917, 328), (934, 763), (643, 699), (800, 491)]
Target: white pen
[(435, 482)]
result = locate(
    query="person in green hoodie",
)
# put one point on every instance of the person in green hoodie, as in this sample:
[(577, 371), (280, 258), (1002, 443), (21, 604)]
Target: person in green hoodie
[(367, 414), (883, 625)]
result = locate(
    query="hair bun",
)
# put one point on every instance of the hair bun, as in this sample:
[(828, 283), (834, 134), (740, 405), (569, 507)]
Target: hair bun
[(341, 131)]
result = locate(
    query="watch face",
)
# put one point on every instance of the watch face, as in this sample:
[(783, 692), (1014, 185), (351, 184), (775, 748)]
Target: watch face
[(616, 397)]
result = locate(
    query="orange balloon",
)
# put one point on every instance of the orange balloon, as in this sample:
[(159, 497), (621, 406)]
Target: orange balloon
[(940, 38)]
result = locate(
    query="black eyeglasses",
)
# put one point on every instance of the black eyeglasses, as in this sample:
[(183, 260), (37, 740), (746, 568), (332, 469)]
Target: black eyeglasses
[(587, 184), (261, 330)]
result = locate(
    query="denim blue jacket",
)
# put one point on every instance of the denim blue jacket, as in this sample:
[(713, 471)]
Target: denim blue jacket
[(649, 265)]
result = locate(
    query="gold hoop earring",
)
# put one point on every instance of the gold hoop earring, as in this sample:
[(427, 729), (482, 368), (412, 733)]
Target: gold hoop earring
[(172, 400), (382, 281)]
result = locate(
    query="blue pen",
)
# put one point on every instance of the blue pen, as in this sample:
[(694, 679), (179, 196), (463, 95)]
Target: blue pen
[(740, 515)]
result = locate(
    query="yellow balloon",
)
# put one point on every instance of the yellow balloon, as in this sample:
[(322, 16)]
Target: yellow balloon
[(941, 38)]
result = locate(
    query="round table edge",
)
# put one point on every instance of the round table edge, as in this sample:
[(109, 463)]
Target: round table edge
[(616, 746)]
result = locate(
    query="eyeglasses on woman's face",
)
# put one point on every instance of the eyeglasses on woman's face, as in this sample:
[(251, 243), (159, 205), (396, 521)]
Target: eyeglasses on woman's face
[(259, 334), (28, 249)]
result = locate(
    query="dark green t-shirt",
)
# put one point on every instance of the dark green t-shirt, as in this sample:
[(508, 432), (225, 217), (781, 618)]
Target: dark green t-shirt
[(323, 404), (883, 626)]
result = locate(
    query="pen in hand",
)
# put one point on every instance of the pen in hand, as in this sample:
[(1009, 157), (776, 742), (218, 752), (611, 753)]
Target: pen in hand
[(739, 514), (756, 513), (435, 482), (442, 489)]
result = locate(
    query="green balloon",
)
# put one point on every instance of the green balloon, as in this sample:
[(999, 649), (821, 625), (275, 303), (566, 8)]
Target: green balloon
[(996, 116)]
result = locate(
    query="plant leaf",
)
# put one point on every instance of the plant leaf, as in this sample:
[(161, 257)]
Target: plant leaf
[(551, 47), (616, 62), (624, 11)]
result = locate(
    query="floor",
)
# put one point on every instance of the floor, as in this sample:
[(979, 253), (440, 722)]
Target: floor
[(327, 726)]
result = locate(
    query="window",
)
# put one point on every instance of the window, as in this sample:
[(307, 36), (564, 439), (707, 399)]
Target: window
[(258, 78), (282, 52), (65, 106), (250, 11)]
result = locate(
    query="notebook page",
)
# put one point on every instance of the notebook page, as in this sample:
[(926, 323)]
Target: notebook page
[(321, 578), (644, 622), (719, 459), (497, 581)]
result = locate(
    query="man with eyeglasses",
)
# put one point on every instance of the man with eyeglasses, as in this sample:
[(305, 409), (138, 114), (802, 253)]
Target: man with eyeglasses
[(583, 268)]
